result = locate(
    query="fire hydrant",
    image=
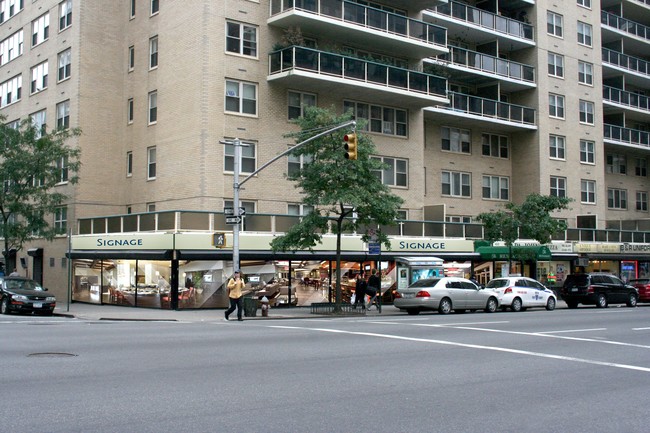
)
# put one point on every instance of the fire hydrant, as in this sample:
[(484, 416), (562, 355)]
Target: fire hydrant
[(265, 306)]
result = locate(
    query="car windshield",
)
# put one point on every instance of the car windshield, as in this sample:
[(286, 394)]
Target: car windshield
[(425, 282), (495, 284), (23, 285)]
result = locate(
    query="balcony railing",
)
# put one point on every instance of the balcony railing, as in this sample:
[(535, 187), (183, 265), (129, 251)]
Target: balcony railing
[(623, 97), (490, 64), (337, 65), (620, 23), (490, 108), (627, 135), (486, 19), (633, 64), (375, 19)]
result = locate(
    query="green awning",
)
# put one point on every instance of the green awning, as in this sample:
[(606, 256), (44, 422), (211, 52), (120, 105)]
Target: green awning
[(539, 252)]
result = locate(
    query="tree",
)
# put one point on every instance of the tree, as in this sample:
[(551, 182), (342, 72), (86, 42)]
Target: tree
[(531, 220), (347, 193), (32, 162)]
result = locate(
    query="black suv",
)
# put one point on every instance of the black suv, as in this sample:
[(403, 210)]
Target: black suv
[(597, 289)]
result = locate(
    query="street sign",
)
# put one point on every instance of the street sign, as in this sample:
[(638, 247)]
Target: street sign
[(242, 211), (374, 248), (233, 220), (228, 211)]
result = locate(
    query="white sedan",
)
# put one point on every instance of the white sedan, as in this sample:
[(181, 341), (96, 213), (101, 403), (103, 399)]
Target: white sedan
[(520, 293), (445, 294)]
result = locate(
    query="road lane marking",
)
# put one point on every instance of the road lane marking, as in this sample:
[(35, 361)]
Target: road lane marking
[(572, 330), (474, 346), (640, 329)]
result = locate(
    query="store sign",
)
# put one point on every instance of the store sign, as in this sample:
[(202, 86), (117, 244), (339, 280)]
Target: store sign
[(425, 245), (635, 248), (597, 248), (137, 241)]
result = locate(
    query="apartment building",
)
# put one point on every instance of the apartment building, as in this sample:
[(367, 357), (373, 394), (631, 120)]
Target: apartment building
[(471, 104)]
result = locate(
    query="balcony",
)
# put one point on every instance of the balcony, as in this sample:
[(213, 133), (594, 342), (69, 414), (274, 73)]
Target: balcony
[(637, 106), (637, 70), (480, 26), (362, 25), (501, 115), (616, 26), (627, 137), (317, 70), (477, 69)]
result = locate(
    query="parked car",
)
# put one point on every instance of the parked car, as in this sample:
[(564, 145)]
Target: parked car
[(25, 296), (445, 294), (598, 289), (520, 293), (643, 287)]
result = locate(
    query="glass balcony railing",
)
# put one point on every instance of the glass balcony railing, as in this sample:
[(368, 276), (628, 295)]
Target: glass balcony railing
[(633, 64), (623, 97), (490, 64), (369, 17), (620, 23), (627, 135), (486, 19), (490, 108), (351, 68)]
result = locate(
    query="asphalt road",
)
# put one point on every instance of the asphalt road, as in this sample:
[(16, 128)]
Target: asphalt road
[(584, 370)]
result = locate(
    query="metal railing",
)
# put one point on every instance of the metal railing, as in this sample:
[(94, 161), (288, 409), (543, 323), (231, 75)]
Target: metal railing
[(628, 26), (487, 19), (627, 135), (631, 63), (490, 64), (366, 16), (490, 108), (351, 68), (623, 97)]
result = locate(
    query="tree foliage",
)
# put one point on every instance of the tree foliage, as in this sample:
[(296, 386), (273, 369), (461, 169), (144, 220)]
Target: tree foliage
[(347, 195), (32, 163)]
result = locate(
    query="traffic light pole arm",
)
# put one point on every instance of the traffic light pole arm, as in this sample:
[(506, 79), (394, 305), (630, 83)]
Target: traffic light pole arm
[(336, 128)]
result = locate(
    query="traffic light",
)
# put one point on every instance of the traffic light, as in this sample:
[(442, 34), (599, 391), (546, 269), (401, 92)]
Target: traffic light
[(350, 146)]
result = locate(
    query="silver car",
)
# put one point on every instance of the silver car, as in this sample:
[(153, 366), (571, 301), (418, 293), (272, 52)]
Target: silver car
[(445, 294)]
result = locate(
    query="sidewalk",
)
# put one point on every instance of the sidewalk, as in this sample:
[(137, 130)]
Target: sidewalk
[(113, 312)]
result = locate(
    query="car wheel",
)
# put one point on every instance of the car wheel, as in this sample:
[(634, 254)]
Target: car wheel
[(445, 306), (516, 305), (572, 304), (4, 308), (491, 306), (550, 304), (631, 300), (413, 311), (601, 302)]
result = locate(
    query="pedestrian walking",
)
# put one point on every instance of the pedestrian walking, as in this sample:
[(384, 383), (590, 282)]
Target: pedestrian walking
[(14, 273), (360, 290), (235, 286), (374, 287)]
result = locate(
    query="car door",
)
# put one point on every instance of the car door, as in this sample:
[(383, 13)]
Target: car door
[(617, 289), (457, 293), (522, 290), (537, 293), (475, 297)]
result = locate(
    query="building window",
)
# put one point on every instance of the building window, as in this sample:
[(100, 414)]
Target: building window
[(641, 167), (496, 187), (151, 163), (642, 201), (554, 24), (248, 157), (456, 140), (153, 52), (555, 65), (65, 14), (588, 191), (11, 90), (297, 163), (297, 102), (9, 8), (241, 39), (11, 47), (65, 59), (558, 186), (556, 105), (587, 152), (402, 214), (395, 172), (584, 34), (63, 115), (557, 148), (155, 7), (61, 219), (132, 10), (131, 58), (40, 29), (241, 97), (585, 3), (150, 207), (616, 163), (129, 164), (39, 121), (465, 219), (129, 111), (382, 120), (587, 112), (62, 168), (616, 198), (299, 209), (39, 77), (496, 146), (585, 73), (153, 107), (456, 184)]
